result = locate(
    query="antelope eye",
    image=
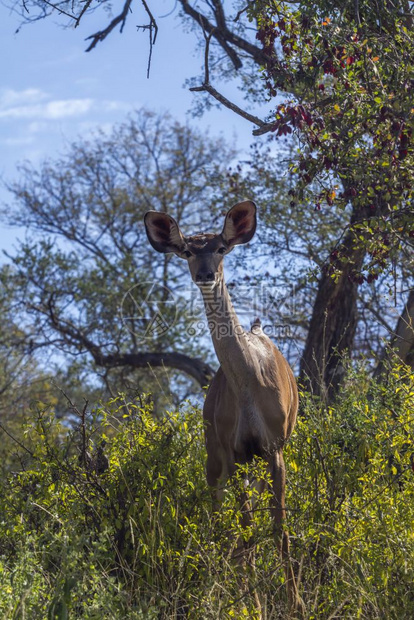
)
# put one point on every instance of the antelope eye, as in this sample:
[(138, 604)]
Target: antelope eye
[(221, 250), (187, 253)]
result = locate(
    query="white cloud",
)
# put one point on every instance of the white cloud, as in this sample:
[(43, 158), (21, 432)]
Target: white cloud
[(68, 107), (19, 141), (50, 110), (36, 105), (33, 117), (10, 97), (115, 106)]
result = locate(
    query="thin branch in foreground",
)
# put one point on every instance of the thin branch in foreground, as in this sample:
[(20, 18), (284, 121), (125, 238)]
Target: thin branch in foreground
[(19, 443), (55, 7), (82, 13), (153, 31), (192, 366), (243, 10), (232, 106), (102, 34), (218, 34), (206, 87)]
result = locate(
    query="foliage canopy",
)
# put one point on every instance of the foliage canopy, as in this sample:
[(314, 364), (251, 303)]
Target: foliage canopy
[(338, 78), (85, 280)]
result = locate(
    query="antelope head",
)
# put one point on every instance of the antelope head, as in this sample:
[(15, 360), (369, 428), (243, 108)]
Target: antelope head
[(204, 252)]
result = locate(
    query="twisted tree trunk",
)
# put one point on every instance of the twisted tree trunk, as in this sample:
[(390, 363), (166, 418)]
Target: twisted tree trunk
[(334, 319)]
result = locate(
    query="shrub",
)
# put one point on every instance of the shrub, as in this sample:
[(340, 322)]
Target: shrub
[(351, 486), (112, 518)]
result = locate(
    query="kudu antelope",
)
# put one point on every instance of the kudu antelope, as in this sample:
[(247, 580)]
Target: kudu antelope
[(251, 404)]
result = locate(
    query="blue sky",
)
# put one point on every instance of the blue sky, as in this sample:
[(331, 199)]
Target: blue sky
[(52, 91)]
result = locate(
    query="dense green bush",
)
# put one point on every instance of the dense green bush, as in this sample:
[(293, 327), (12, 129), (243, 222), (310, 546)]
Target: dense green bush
[(112, 518), (352, 494)]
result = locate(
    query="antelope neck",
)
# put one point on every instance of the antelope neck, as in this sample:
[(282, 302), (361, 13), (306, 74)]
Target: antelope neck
[(229, 338)]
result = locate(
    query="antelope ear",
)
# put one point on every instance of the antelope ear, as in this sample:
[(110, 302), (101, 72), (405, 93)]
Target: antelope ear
[(163, 232), (240, 223)]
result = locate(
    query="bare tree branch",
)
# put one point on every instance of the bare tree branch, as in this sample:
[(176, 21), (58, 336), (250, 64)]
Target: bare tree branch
[(19, 443), (192, 366), (102, 34), (56, 7), (227, 38), (206, 87), (232, 106), (212, 30), (82, 13), (153, 31)]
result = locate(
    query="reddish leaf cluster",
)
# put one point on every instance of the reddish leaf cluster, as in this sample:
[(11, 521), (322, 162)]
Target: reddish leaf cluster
[(296, 116), (351, 97)]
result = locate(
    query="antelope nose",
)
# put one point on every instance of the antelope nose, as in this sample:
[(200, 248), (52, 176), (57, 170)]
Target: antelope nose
[(205, 276)]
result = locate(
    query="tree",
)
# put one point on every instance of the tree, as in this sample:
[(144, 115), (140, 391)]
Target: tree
[(342, 73), (22, 381), (79, 284), (77, 11), (297, 245), (86, 280), (345, 74)]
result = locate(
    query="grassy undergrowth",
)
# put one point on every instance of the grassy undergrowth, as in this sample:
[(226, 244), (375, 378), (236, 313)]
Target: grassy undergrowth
[(112, 519)]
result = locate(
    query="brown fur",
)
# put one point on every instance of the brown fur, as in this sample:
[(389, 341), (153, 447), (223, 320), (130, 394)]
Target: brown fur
[(251, 404)]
